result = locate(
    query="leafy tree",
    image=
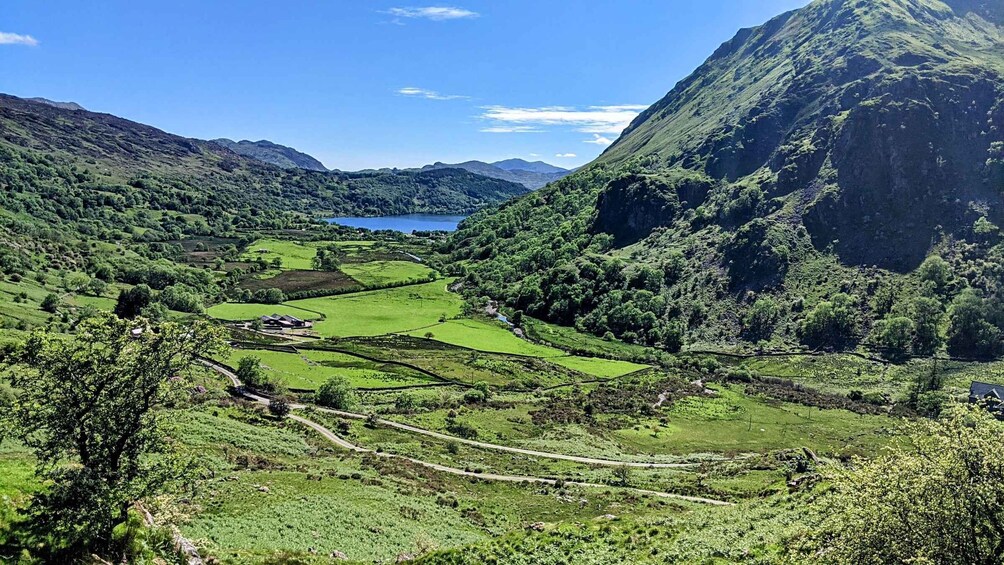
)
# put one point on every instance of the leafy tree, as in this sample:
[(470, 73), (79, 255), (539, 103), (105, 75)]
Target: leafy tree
[(937, 272), (336, 393), (181, 298), (761, 318), (833, 323), (88, 409), (975, 327), (132, 301), (251, 374), (622, 474), (894, 336), (927, 314), (97, 287), (50, 303), (268, 296), (327, 259), (278, 407), (936, 498)]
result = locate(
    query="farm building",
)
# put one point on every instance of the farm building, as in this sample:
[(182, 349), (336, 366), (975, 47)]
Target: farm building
[(990, 395), (283, 322)]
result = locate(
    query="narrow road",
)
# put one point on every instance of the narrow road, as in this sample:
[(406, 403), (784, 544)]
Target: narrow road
[(470, 442), (337, 440)]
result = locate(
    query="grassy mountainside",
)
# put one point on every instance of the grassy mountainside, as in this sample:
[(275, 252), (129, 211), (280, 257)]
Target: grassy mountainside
[(77, 166), (273, 154), (795, 187)]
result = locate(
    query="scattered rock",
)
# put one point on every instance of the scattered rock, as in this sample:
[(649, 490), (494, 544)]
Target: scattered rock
[(537, 526), (405, 557), (338, 555), (263, 488)]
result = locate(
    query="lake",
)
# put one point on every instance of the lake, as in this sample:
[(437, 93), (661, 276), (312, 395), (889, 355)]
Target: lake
[(406, 223)]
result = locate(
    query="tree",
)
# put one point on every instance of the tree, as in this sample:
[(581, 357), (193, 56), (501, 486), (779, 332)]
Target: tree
[(761, 318), (832, 323), (96, 287), (88, 408), (132, 301), (336, 393), (622, 474), (927, 314), (50, 303), (895, 336), (268, 296), (937, 272), (936, 498), (278, 407), (974, 327), (250, 373)]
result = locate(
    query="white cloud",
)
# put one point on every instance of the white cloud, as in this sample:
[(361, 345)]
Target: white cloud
[(566, 155), (599, 140), (428, 94), (17, 39), (592, 119), (434, 13), (511, 129), (534, 155)]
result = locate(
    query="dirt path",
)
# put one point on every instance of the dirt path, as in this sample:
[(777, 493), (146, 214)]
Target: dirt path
[(335, 439)]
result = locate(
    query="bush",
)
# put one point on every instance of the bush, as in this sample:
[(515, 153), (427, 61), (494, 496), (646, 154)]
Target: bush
[(336, 393), (832, 323), (50, 303), (278, 407)]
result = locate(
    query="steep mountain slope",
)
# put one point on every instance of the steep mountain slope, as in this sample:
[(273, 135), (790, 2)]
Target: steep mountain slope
[(63, 105), (828, 151), (273, 154), (532, 179)]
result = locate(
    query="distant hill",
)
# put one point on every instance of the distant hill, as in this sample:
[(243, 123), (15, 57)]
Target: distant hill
[(273, 154), (73, 171), (533, 167), (63, 105), (538, 175)]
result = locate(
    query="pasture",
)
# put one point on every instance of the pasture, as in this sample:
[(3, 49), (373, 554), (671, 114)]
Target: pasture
[(308, 369), (383, 273), (294, 255)]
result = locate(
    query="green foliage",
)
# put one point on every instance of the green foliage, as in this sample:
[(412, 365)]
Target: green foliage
[(131, 302), (895, 336), (760, 319), (336, 393), (50, 303), (976, 326), (92, 401), (268, 296), (935, 500), (832, 323)]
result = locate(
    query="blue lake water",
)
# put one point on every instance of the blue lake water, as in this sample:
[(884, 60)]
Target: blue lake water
[(407, 223)]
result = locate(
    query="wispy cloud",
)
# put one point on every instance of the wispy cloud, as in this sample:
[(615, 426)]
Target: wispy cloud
[(434, 13), (428, 94), (17, 39), (511, 129), (566, 155), (599, 140), (592, 119)]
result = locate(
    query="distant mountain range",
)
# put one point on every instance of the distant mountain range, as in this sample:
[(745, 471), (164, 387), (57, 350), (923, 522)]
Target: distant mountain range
[(273, 154), (531, 175)]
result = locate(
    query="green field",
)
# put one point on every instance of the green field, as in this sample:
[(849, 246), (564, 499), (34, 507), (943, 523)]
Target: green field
[(294, 255), (382, 273), (379, 312), (234, 311), (485, 336), (606, 368), (309, 369)]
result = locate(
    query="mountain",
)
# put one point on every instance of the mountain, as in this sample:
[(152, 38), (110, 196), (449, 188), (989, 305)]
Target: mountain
[(63, 105), (541, 175), (273, 154), (534, 167), (815, 178), (75, 173)]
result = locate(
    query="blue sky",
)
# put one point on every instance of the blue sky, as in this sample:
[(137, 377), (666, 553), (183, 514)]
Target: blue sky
[(364, 84)]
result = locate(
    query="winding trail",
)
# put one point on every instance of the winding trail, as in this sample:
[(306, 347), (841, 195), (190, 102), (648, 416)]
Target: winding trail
[(339, 441)]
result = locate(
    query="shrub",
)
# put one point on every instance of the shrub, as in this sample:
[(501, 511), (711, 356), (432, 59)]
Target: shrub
[(336, 393)]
